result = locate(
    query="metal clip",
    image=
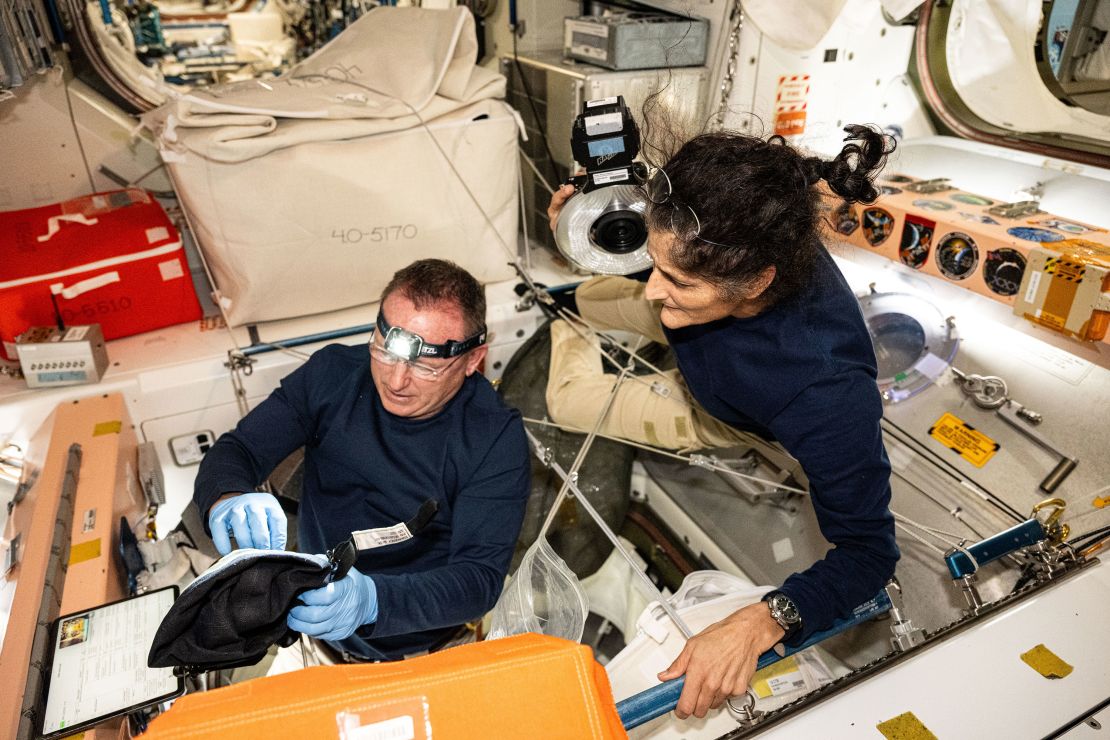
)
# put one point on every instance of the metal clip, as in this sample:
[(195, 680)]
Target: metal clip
[(747, 715), (936, 185), (905, 635), (661, 389), (1017, 209), (237, 361), (702, 461), (1054, 531)]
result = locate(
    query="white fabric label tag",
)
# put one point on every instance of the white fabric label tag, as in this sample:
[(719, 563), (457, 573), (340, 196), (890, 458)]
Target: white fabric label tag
[(170, 269), (368, 539)]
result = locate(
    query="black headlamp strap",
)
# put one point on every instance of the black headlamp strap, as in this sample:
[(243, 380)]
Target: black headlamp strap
[(448, 349)]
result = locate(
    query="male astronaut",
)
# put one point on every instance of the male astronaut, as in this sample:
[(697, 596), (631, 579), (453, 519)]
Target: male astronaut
[(385, 431)]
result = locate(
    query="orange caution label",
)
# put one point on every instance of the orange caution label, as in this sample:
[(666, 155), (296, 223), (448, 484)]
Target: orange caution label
[(790, 105), (964, 439)]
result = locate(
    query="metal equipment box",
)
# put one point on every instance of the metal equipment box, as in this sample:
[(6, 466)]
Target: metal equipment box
[(557, 88), (636, 40)]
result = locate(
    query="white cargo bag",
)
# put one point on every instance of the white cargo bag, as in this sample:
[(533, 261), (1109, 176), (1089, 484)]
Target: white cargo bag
[(307, 192)]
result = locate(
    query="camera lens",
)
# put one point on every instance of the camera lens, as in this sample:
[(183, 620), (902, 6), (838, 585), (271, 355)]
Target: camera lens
[(619, 232)]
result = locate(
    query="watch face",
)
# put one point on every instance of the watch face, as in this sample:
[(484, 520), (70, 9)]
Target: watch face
[(785, 608)]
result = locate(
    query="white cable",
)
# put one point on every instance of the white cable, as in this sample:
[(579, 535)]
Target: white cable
[(919, 538), (535, 170), (775, 487), (940, 535)]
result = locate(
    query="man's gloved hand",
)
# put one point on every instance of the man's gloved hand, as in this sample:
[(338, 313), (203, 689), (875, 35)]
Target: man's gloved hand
[(336, 610), (256, 520)]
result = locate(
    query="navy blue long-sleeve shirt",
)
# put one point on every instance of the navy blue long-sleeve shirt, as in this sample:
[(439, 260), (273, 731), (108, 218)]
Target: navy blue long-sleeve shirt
[(803, 372), (365, 468)]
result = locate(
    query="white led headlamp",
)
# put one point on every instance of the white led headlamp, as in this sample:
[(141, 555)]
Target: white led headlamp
[(409, 346)]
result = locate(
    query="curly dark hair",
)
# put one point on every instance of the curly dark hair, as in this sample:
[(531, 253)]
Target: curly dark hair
[(428, 282), (760, 197)]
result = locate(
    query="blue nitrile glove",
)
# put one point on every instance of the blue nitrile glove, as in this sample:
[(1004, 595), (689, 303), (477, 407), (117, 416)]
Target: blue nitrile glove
[(336, 610), (256, 520)]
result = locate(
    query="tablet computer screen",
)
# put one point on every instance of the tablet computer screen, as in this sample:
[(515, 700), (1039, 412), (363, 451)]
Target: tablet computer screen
[(98, 665)]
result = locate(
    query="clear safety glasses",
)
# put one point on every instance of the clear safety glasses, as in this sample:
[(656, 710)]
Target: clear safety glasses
[(418, 369), (658, 191)]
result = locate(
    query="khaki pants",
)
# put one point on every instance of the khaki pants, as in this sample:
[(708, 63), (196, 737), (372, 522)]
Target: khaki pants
[(653, 409)]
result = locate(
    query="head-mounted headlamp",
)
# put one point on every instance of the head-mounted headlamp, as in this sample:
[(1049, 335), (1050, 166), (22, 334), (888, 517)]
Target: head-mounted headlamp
[(409, 346)]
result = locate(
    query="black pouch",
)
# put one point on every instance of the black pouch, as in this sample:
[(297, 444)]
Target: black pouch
[(234, 612)]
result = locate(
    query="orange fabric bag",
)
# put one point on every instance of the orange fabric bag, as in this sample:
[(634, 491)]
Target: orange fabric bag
[(527, 686)]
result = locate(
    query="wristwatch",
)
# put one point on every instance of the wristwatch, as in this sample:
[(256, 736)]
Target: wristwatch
[(785, 612)]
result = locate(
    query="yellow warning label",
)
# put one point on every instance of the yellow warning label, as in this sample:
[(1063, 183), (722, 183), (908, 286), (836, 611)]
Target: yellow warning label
[(107, 427), (964, 439), (83, 551), (905, 727), (1046, 662)]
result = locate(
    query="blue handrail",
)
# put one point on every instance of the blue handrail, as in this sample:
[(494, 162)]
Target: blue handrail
[(658, 700)]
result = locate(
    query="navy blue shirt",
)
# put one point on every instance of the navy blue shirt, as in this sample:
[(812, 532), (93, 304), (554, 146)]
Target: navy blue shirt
[(803, 372), (366, 468)]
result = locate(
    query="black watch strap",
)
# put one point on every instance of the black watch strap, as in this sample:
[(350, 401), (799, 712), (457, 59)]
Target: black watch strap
[(785, 612)]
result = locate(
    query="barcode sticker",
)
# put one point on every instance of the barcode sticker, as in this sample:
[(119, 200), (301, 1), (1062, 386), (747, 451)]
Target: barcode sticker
[(785, 684), (604, 178)]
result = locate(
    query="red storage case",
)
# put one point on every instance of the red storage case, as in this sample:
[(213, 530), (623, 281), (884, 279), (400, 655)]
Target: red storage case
[(112, 258)]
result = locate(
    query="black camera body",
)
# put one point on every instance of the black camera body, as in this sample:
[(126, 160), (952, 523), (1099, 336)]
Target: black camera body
[(602, 227), (605, 140)]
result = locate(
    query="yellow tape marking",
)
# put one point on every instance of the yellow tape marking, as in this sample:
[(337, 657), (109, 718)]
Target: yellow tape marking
[(107, 427), (960, 437), (83, 551), (905, 727), (1046, 662)]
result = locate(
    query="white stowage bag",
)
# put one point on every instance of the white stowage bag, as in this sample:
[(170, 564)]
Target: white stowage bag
[(308, 191), (543, 596), (704, 598)]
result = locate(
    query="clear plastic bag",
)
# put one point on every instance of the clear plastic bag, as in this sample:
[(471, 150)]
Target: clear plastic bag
[(543, 596)]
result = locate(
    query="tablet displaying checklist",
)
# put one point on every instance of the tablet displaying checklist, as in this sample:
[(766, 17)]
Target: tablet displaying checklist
[(98, 666)]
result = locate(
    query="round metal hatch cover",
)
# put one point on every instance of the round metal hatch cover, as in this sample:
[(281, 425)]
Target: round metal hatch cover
[(914, 342)]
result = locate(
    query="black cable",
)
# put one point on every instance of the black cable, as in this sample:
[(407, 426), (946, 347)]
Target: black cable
[(532, 104), (1095, 541), (949, 470), (1104, 531)]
